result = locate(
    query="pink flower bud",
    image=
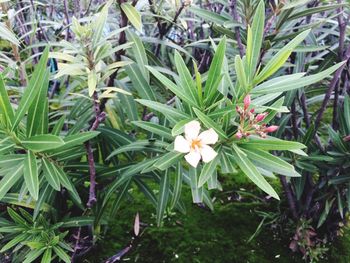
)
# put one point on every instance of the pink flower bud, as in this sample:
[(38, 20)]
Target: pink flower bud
[(239, 135), (246, 102), (271, 128), (252, 111), (260, 117)]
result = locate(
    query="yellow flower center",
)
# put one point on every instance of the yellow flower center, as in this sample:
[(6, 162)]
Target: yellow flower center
[(195, 144)]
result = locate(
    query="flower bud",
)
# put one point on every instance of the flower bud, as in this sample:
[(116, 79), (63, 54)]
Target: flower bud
[(239, 135), (260, 117), (271, 128), (252, 111), (346, 138), (246, 102)]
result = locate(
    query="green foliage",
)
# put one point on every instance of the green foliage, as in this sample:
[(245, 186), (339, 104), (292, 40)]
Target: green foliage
[(166, 98)]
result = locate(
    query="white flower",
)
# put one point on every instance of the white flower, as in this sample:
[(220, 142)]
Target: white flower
[(195, 144)]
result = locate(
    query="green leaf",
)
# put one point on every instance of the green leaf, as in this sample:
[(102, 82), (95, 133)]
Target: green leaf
[(270, 162), (133, 15), (58, 126), (197, 192), (44, 142), (178, 91), (61, 254), (167, 111), (14, 241), (250, 170), (76, 139), (179, 127), (37, 108), (314, 10), (154, 128), (139, 81), (5, 104), (139, 53), (278, 60), (99, 23), (301, 82), (214, 71), (140, 145), (163, 196), (8, 35), (32, 90), (240, 72), (177, 186), (208, 171), (92, 82), (33, 255), (347, 111), (255, 38), (208, 15), (187, 83), (31, 175), (47, 256), (50, 174), (167, 160), (270, 144), (10, 179), (209, 123)]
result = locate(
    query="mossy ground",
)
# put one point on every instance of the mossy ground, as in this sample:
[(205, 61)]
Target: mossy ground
[(203, 236)]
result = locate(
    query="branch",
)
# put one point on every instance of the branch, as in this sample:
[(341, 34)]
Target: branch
[(99, 117)]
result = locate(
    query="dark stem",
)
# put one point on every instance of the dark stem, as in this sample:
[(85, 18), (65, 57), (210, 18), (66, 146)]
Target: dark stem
[(330, 89), (99, 117), (164, 28), (290, 197), (66, 14), (234, 14)]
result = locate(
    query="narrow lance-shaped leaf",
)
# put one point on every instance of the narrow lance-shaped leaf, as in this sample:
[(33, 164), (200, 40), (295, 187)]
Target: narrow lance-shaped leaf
[(163, 196), (133, 15), (250, 170), (214, 72), (255, 38), (42, 142), (209, 123), (32, 90), (177, 185), (31, 175), (301, 82), (5, 105), (10, 179), (139, 53), (35, 111), (280, 58), (186, 80), (50, 174)]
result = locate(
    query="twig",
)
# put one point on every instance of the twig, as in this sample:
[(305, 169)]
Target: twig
[(164, 29)]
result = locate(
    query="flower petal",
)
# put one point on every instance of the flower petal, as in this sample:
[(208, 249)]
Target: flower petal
[(208, 137), (181, 144), (193, 158), (208, 153), (192, 130)]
